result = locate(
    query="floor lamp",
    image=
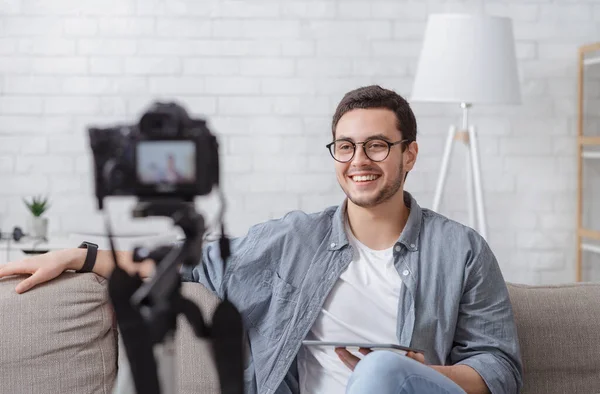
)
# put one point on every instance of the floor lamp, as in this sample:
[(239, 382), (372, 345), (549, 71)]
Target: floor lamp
[(467, 60)]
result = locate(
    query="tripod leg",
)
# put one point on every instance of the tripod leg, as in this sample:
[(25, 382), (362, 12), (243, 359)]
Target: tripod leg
[(444, 169), (164, 353), (477, 179)]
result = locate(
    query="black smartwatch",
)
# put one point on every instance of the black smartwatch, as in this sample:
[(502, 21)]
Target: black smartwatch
[(90, 258)]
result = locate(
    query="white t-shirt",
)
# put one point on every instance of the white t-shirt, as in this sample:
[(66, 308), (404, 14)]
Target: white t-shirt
[(362, 307)]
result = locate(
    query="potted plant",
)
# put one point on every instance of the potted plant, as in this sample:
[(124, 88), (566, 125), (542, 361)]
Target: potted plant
[(38, 225)]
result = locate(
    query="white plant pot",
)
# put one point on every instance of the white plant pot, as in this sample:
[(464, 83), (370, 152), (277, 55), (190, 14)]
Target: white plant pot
[(38, 227)]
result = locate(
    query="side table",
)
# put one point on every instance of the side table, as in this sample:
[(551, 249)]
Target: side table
[(12, 250)]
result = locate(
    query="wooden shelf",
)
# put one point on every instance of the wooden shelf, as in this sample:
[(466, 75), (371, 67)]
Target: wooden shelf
[(589, 141), (587, 239), (590, 234), (591, 61), (590, 248), (587, 246), (590, 47)]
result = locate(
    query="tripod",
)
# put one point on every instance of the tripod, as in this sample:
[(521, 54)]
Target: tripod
[(147, 311), (475, 200)]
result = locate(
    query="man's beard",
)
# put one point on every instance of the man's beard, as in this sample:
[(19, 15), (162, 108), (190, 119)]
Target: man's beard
[(386, 193)]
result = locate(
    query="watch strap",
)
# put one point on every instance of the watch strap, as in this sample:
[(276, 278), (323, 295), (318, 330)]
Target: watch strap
[(90, 258)]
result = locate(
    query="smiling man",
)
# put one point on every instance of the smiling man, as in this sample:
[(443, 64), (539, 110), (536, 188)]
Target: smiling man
[(377, 268)]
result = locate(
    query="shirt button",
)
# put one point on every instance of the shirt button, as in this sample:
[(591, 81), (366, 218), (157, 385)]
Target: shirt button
[(397, 248), (405, 272), (412, 246), (332, 245)]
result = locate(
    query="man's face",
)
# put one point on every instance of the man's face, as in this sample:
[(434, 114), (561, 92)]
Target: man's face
[(383, 179)]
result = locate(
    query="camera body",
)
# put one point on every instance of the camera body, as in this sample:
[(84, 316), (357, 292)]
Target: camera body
[(166, 155)]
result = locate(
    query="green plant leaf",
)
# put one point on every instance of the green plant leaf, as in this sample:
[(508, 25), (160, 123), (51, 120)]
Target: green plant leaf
[(37, 205)]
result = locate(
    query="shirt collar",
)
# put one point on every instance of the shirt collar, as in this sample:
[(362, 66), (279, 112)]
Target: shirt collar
[(409, 236), (338, 238)]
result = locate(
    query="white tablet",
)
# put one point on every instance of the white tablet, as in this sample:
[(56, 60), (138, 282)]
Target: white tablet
[(354, 346)]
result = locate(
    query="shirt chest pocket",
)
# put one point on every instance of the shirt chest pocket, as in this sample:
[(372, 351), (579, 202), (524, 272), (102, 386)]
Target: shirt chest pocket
[(275, 302)]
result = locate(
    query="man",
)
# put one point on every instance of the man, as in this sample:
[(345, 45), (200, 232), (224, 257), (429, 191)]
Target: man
[(172, 173), (377, 268)]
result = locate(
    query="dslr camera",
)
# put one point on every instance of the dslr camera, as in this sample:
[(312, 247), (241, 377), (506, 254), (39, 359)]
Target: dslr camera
[(166, 155)]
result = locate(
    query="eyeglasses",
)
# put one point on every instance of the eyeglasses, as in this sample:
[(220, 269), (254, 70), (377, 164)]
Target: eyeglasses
[(376, 149)]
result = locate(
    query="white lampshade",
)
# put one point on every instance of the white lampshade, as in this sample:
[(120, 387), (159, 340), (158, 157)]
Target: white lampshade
[(467, 59)]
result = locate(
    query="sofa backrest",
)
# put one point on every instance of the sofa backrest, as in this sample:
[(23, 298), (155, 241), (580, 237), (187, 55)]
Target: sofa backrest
[(558, 328), (59, 338), (559, 334)]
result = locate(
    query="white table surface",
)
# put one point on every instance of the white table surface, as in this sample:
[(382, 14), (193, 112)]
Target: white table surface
[(12, 250)]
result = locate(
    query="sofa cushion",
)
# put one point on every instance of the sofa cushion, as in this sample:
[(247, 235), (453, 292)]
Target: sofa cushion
[(58, 337), (559, 335), (196, 369)]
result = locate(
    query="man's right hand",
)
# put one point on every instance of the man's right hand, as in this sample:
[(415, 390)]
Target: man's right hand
[(43, 267)]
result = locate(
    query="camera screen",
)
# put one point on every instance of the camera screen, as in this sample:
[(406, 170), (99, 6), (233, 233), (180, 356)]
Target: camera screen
[(166, 162)]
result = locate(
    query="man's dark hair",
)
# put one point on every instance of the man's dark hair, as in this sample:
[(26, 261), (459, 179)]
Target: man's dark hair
[(375, 96)]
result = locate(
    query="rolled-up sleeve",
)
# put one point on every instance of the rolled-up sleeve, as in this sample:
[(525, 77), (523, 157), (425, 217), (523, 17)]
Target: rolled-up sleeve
[(211, 269), (486, 334)]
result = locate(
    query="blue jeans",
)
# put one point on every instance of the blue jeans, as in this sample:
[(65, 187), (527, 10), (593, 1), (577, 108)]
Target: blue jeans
[(386, 372)]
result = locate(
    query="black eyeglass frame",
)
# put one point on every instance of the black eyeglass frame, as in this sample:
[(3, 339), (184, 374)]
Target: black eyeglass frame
[(389, 144)]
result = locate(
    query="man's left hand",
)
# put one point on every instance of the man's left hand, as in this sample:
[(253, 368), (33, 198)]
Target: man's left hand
[(416, 356), (351, 360)]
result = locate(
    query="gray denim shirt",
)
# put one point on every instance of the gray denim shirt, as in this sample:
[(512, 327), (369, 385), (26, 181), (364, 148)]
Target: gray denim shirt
[(454, 303)]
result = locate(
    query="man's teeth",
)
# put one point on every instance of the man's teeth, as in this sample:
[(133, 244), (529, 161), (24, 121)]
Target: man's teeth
[(363, 178)]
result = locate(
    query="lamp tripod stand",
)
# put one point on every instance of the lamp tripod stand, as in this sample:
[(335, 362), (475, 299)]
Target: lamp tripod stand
[(475, 202)]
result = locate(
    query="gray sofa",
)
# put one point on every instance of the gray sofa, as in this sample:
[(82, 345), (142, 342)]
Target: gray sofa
[(60, 338)]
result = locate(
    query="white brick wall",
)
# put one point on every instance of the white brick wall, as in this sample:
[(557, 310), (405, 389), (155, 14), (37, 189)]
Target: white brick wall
[(268, 75)]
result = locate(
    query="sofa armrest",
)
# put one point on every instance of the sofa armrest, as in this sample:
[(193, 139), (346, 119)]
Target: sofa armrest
[(58, 337)]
